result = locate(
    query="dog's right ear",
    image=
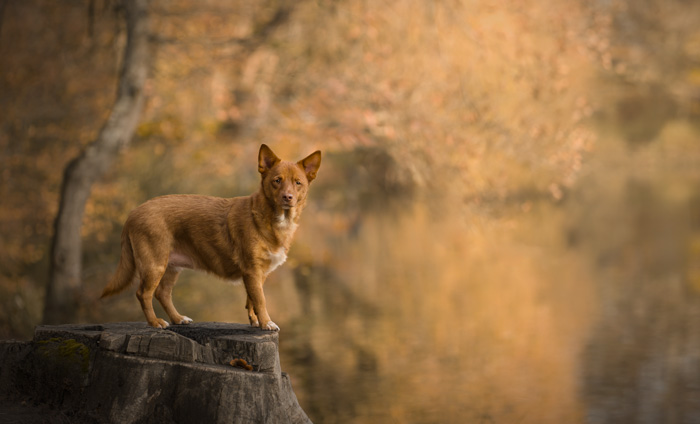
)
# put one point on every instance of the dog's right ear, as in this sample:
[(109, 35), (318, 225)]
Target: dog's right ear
[(266, 159)]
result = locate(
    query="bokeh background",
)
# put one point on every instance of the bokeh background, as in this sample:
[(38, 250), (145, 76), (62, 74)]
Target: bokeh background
[(505, 227)]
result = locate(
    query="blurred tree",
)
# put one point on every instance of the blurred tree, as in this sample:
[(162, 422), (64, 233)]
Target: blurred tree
[(63, 289), (57, 82)]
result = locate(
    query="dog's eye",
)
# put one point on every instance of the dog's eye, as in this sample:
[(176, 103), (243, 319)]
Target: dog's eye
[(298, 182), (278, 180)]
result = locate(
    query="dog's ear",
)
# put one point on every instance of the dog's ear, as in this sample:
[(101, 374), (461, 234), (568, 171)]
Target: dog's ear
[(310, 164), (266, 159)]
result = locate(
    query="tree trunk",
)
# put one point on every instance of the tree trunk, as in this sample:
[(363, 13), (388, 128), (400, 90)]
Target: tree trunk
[(63, 291)]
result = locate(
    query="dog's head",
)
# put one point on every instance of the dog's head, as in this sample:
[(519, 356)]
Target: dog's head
[(286, 183)]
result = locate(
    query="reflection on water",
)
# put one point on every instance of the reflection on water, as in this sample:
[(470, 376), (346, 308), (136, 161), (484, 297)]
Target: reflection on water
[(642, 361), (444, 321), (584, 310)]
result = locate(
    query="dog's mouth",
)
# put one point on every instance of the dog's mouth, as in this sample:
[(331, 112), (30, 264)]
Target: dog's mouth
[(287, 204)]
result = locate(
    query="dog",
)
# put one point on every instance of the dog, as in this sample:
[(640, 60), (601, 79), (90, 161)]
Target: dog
[(240, 238)]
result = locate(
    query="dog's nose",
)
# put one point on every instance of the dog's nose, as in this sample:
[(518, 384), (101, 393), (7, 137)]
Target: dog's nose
[(288, 197)]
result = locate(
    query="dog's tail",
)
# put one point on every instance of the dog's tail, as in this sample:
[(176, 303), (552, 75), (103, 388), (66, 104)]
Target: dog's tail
[(125, 271)]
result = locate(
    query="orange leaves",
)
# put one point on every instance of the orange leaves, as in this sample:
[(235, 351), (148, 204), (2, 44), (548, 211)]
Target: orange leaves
[(241, 363), (509, 77)]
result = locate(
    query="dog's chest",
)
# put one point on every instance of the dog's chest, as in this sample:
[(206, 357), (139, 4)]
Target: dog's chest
[(277, 258), (285, 224)]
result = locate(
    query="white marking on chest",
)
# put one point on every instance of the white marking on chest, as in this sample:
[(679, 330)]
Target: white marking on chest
[(277, 258), (283, 223)]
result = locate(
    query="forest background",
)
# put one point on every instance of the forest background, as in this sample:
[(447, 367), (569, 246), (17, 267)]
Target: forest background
[(508, 210)]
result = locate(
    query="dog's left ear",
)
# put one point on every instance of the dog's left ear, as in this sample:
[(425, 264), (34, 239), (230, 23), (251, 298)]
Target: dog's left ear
[(266, 159), (310, 164)]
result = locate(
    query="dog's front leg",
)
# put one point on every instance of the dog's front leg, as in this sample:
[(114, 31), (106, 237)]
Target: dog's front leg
[(251, 312), (253, 287)]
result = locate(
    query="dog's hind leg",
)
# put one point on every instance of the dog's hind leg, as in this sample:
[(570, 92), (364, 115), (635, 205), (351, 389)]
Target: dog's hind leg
[(149, 282), (164, 294)]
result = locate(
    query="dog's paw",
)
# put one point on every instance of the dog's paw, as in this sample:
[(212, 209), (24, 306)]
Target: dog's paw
[(159, 323), (271, 326), (184, 320), (254, 324)]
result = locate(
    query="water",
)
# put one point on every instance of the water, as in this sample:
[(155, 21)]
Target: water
[(585, 309)]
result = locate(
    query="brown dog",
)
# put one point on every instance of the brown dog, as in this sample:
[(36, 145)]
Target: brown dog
[(238, 238)]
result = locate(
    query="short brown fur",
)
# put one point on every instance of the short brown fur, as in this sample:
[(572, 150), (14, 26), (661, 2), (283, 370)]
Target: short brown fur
[(237, 238)]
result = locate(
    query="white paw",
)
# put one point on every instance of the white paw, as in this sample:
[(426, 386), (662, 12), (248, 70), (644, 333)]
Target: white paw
[(255, 324), (185, 320), (271, 326)]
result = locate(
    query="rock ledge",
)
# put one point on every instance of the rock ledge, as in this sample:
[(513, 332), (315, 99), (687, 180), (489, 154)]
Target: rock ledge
[(132, 373)]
